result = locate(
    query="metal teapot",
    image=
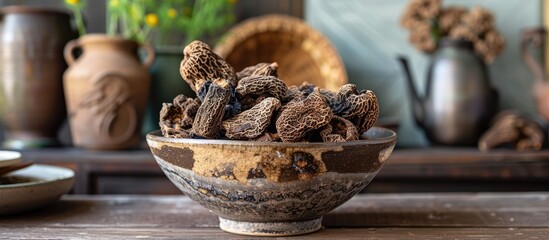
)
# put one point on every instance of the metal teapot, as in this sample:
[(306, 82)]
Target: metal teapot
[(459, 100)]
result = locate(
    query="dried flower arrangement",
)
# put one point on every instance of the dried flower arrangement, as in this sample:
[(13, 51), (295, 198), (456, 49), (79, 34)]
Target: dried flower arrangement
[(428, 22)]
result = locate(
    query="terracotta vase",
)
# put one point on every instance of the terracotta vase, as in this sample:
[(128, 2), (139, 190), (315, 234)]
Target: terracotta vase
[(32, 106), (106, 89)]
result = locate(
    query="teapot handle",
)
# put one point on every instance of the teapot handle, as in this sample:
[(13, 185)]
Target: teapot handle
[(150, 55), (69, 49), (536, 36)]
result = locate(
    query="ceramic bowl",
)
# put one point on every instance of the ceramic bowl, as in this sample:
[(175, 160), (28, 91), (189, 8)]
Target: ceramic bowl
[(9, 158), (271, 189)]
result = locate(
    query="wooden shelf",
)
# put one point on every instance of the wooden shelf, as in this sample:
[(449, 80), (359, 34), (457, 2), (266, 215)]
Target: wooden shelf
[(407, 170)]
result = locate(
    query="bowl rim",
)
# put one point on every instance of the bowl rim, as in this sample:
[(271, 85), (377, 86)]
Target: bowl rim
[(392, 136), (63, 174)]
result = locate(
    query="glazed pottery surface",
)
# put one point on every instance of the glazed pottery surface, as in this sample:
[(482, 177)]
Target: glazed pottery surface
[(32, 104), (106, 89), (274, 189), (40, 186)]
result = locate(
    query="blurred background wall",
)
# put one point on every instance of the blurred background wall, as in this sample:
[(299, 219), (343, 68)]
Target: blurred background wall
[(368, 37)]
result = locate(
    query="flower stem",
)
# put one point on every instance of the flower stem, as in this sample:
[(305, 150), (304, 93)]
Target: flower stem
[(79, 22)]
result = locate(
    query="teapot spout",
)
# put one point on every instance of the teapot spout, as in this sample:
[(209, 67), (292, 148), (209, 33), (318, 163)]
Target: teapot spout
[(417, 102)]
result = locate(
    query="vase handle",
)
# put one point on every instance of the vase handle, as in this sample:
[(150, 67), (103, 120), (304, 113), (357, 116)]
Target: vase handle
[(69, 49), (150, 55)]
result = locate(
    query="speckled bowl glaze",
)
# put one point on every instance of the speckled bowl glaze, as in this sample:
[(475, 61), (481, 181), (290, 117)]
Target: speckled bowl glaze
[(271, 189)]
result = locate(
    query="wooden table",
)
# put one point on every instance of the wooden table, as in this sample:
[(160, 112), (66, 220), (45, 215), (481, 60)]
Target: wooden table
[(387, 216)]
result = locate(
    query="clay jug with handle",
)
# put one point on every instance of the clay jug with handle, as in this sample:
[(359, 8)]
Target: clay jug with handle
[(106, 90)]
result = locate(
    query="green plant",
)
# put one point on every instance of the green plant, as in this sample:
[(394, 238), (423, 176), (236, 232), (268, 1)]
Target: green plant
[(182, 21), (167, 22), (76, 6)]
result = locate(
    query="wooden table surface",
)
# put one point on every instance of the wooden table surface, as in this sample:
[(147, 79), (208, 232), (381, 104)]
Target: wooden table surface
[(387, 216)]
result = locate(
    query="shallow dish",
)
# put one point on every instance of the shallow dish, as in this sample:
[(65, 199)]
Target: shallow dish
[(38, 185), (9, 158), (271, 189)]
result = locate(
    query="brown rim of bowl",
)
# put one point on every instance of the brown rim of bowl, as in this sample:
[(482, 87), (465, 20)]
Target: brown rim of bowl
[(27, 9), (390, 137)]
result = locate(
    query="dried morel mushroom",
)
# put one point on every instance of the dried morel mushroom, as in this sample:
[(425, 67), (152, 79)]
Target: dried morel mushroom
[(176, 118), (207, 122), (260, 69), (339, 130), (251, 123), (300, 117), (258, 106), (361, 108), (510, 128), (170, 118), (257, 86), (200, 65)]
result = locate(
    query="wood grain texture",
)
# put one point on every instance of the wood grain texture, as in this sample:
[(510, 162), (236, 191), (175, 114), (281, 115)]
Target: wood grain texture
[(368, 36), (369, 210), (388, 216), (215, 233)]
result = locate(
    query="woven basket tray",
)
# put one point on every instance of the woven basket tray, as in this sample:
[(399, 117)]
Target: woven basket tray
[(301, 52)]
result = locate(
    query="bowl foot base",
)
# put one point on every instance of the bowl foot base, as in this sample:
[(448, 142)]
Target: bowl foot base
[(270, 228)]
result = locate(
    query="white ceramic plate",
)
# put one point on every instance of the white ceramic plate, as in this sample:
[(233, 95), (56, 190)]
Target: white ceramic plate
[(48, 184), (8, 158)]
